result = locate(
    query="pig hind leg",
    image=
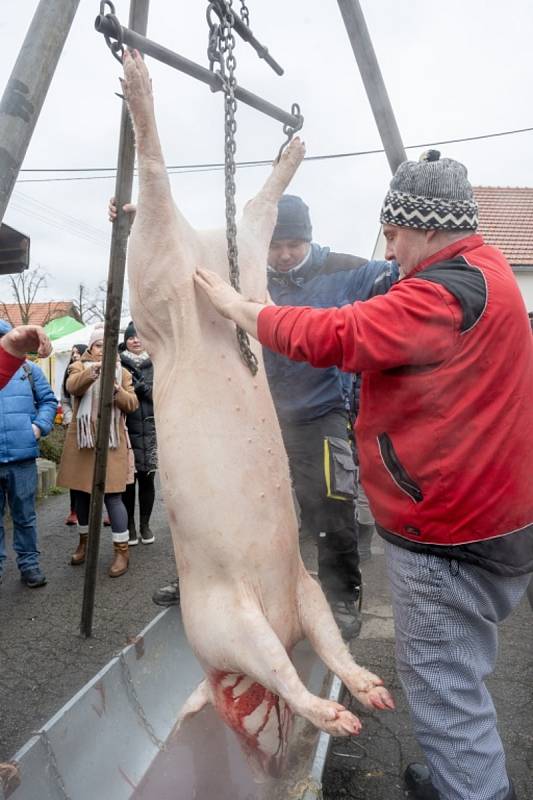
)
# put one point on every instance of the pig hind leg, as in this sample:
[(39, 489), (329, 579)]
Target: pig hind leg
[(161, 240), (260, 213)]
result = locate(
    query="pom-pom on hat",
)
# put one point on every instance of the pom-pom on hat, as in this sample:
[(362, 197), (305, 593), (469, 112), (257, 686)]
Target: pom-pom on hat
[(293, 221), (432, 193)]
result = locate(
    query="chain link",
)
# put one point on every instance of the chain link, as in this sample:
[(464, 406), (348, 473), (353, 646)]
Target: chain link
[(136, 703), (223, 53), (117, 48), (245, 14)]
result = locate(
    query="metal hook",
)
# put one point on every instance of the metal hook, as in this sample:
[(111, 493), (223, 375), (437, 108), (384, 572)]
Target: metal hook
[(116, 47), (289, 131)]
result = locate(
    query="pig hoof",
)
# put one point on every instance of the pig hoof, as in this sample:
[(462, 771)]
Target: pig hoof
[(137, 86), (332, 718), (368, 689), (293, 155)]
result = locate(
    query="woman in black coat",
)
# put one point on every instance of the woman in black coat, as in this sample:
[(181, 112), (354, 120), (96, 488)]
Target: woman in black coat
[(141, 429)]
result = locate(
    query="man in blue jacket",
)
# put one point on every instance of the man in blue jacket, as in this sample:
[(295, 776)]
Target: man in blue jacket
[(313, 405), (27, 411)]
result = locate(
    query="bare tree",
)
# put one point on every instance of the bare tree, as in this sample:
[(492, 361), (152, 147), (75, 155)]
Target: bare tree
[(100, 298), (25, 286), (88, 308)]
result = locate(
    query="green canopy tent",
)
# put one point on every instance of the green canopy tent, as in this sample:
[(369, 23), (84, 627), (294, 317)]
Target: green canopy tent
[(62, 326)]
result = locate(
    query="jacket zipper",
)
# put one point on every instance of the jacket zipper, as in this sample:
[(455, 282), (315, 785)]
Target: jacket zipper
[(396, 470)]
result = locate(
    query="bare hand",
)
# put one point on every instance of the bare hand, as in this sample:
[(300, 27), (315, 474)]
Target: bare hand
[(36, 431), (95, 371), (112, 212), (221, 294), (27, 338)]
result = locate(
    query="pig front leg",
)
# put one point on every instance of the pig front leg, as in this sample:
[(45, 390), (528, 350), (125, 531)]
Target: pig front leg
[(261, 656), (320, 628)]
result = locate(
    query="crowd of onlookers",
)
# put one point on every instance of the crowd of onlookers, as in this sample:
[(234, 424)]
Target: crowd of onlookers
[(28, 408)]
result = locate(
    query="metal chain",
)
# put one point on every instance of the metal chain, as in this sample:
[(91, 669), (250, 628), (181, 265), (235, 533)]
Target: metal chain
[(245, 14), (136, 703), (228, 63), (52, 763)]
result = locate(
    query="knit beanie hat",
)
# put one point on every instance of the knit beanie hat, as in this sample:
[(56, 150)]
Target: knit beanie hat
[(96, 336), (431, 194), (130, 331), (293, 220)]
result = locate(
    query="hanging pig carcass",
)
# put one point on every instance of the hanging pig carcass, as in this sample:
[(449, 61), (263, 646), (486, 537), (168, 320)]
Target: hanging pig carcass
[(246, 597)]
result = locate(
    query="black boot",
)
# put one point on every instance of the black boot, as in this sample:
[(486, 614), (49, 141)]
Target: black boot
[(418, 781), (147, 537), (347, 614)]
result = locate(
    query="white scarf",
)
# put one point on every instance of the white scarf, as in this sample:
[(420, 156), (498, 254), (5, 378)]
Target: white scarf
[(88, 413)]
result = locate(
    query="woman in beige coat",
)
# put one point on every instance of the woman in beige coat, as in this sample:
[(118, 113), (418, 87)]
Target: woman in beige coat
[(77, 460)]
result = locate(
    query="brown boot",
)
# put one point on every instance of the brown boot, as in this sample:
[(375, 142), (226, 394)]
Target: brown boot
[(120, 560), (78, 556)]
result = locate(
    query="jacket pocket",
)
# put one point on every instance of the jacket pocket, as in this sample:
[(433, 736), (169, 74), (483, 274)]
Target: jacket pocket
[(339, 468), (396, 470)]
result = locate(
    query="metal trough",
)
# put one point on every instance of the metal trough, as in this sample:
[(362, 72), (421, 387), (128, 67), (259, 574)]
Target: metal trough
[(111, 740)]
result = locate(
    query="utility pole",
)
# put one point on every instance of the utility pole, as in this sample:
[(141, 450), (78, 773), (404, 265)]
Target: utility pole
[(138, 21), (373, 82), (26, 89)]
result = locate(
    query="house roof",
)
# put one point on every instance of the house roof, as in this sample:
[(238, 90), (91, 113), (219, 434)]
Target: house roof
[(506, 221), (40, 313)]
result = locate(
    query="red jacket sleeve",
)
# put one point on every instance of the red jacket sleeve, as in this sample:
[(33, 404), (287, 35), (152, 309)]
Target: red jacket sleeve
[(8, 366), (415, 323)]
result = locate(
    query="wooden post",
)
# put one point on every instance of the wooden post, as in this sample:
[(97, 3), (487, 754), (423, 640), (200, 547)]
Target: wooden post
[(138, 21)]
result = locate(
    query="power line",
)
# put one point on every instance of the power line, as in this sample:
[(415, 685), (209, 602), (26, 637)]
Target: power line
[(185, 169)]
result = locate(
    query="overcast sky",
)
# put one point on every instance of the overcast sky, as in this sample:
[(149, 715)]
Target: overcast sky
[(452, 69)]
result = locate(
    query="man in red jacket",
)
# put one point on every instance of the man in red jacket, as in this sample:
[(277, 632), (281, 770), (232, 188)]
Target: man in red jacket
[(15, 343), (445, 435)]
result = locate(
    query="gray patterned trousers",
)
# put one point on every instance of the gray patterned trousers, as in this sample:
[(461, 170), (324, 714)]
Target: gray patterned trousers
[(446, 615)]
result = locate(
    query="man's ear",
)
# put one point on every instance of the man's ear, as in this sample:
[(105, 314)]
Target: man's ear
[(430, 235)]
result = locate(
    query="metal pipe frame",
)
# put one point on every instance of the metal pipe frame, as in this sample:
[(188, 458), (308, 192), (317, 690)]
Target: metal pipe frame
[(373, 81), (103, 24), (26, 89)]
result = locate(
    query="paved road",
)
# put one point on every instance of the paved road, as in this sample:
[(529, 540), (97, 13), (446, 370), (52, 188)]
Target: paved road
[(44, 660)]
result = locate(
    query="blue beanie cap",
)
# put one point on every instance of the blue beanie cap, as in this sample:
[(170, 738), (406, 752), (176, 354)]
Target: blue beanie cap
[(294, 221), (5, 327)]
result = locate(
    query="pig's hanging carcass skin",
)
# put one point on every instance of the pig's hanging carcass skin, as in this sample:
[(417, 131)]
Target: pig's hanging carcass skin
[(246, 597)]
